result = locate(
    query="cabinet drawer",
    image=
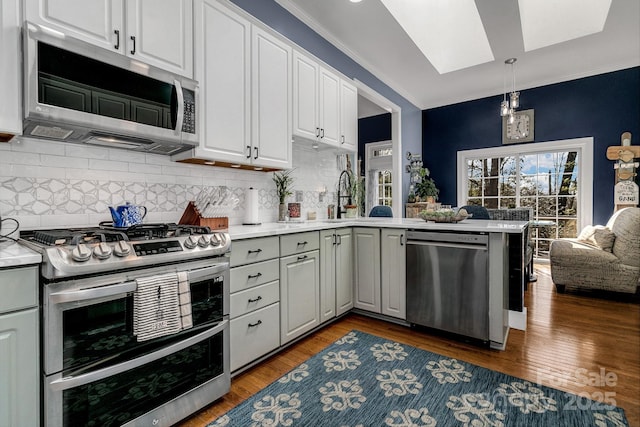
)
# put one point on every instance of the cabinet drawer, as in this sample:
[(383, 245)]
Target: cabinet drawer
[(252, 299), (254, 250), (292, 244), (248, 276), (254, 335), (19, 288)]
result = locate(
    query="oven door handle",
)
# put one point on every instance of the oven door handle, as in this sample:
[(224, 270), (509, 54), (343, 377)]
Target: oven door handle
[(93, 293), (66, 383), (126, 287)]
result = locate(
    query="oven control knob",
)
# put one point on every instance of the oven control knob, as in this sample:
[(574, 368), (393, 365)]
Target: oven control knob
[(215, 240), (190, 242), (122, 249), (102, 251), (203, 241), (81, 253)]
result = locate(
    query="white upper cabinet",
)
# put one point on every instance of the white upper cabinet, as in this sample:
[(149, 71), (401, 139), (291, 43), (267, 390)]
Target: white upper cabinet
[(157, 32), (245, 91), (271, 100), (223, 38), (306, 100), (160, 33), (10, 66), (318, 105), (348, 116)]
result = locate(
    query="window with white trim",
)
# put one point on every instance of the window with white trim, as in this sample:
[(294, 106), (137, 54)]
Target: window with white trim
[(549, 178)]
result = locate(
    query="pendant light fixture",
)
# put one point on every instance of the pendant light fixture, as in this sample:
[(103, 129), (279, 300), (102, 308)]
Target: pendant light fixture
[(508, 107)]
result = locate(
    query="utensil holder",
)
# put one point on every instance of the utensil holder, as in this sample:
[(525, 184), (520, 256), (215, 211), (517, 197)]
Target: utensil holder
[(191, 216)]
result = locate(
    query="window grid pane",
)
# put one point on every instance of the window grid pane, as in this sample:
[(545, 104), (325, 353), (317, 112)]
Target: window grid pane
[(546, 182)]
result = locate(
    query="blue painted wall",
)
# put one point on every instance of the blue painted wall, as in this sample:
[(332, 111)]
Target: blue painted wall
[(602, 107), (372, 129), (278, 18)]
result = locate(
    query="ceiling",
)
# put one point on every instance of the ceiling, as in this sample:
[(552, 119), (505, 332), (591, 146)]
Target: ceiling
[(369, 33)]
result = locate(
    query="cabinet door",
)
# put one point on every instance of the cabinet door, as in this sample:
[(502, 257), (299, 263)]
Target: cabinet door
[(305, 97), (160, 33), (329, 107), (327, 275), (100, 23), (271, 100), (393, 275), (348, 116), (223, 37), (367, 264), (10, 67), (19, 370), (344, 271), (299, 295)]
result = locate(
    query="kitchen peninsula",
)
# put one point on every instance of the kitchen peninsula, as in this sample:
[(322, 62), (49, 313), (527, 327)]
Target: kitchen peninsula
[(368, 275)]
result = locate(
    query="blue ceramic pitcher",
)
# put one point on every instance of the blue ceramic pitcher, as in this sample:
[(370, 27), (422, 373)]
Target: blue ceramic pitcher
[(127, 215)]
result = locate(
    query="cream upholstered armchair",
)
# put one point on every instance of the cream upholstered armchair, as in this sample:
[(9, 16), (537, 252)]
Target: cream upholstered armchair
[(606, 258)]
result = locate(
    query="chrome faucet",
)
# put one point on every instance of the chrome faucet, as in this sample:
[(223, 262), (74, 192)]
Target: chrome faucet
[(347, 174)]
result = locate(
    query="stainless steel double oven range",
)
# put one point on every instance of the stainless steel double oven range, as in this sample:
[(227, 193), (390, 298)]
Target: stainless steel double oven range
[(95, 370)]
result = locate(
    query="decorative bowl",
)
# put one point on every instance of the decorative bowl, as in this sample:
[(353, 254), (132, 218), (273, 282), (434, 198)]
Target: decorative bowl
[(443, 216)]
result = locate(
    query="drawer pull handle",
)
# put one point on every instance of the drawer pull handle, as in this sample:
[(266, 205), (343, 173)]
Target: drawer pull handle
[(254, 299), (254, 276), (302, 258), (253, 325), (302, 243), (254, 251)]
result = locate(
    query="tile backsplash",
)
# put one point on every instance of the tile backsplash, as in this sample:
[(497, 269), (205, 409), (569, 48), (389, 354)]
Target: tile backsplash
[(46, 184)]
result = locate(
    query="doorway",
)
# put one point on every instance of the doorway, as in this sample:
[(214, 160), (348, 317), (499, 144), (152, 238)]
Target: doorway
[(370, 104)]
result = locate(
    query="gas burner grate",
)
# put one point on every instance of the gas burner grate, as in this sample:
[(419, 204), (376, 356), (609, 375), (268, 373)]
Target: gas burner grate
[(157, 231)]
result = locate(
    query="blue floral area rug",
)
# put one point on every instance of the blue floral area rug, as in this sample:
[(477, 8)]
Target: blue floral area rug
[(364, 380)]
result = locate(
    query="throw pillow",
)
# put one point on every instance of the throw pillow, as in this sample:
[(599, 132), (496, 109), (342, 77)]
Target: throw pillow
[(599, 236)]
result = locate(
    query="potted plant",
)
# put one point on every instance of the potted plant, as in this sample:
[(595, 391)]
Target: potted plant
[(284, 185), (426, 188)]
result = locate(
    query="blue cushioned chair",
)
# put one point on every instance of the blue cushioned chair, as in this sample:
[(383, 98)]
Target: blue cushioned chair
[(477, 212), (381, 211)]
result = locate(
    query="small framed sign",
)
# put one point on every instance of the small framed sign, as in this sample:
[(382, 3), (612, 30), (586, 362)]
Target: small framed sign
[(522, 128)]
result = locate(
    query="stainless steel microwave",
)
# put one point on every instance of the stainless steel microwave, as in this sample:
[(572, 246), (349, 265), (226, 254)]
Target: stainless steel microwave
[(77, 92)]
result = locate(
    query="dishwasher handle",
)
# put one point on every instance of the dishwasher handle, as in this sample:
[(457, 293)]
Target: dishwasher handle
[(447, 245)]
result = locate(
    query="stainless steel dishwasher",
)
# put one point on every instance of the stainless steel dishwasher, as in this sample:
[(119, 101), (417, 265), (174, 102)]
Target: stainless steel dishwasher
[(447, 282)]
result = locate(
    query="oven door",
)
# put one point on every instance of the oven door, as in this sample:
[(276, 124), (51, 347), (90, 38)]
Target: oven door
[(157, 389), (89, 322)]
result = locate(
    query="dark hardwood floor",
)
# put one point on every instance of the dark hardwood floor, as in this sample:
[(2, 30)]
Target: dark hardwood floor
[(586, 343)]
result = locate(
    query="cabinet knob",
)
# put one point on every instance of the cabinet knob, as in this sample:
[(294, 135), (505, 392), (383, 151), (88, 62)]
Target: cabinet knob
[(302, 258), (133, 50), (117, 45), (254, 251), (251, 300), (254, 276)]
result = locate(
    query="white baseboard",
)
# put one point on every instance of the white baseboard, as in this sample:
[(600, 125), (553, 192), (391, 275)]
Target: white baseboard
[(518, 319)]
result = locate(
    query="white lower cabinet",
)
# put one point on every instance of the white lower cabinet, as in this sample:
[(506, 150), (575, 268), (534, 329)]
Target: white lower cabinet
[(336, 273), (254, 302), (254, 334), (299, 292), (19, 347), (393, 255), (367, 264), (380, 260)]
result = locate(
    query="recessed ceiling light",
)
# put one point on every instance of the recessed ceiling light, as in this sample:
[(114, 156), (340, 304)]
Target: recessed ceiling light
[(258, 169), (235, 166), (355, 1), (209, 163)]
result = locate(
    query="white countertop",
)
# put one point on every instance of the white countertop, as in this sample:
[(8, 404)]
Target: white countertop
[(13, 254), (239, 232)]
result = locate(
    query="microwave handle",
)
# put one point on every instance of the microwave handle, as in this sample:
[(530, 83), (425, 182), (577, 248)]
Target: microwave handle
[(180, 117), (66, 383), (93, 293)]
